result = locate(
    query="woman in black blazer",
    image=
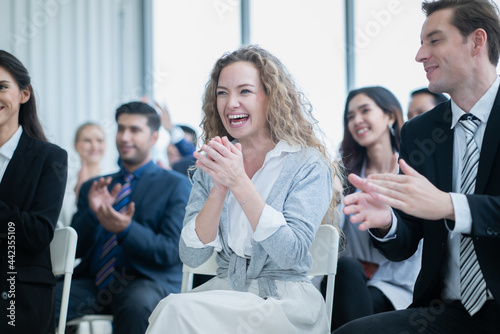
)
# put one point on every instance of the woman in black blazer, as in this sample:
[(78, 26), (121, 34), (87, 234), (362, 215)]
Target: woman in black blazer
[(32, 183)]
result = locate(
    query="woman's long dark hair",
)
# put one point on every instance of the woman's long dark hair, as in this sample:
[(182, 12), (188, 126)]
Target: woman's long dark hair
[(28, 118), (354, 154)]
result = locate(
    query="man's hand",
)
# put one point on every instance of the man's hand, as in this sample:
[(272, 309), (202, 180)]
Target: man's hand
[(365, 208), (99, 194), (411, 193), (101, 203), (114, 221)]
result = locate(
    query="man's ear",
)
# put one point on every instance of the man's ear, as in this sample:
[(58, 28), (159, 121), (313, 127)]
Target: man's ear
[(154, 137), (479, 38)]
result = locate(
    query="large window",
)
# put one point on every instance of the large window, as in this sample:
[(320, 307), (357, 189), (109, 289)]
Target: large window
[(387, 40), (306, 36), (189, 37)]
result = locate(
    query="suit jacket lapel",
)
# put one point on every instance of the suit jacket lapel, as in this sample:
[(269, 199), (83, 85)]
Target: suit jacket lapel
[(142, 185), (443, 157), (18, 166), (489, 147)]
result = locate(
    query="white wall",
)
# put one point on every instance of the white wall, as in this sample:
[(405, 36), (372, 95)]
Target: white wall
[(85, 58)]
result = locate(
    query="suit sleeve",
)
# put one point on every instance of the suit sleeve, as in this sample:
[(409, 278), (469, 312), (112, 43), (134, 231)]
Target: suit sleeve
[(485, 211), (409, 230), (153, 248), (34, 226)]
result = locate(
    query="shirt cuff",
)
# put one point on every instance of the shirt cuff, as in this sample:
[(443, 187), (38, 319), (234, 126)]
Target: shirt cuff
[(463, 217), (176, 134), (392, 232), (270, 221), (188, 234)]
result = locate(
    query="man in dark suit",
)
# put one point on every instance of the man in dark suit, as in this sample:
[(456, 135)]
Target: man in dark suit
[(128, 226), (438, 196)]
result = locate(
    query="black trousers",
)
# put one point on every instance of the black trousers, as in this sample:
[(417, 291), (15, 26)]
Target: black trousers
[(353, 298), (439, 318)]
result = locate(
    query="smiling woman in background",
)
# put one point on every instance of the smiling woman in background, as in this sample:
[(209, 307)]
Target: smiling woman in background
[(366, 281), (32, 182), (90, 145)]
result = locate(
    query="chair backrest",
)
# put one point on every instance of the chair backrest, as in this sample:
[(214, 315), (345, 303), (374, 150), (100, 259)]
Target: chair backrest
[(324, 251), (62, 255), (207, 268)]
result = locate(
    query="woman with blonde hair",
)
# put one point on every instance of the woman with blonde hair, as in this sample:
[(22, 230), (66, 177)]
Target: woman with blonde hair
[(262, 188), (90, 144)]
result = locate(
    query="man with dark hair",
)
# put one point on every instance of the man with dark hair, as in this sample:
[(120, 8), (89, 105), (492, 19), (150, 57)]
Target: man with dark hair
[(128, 226), (448, 192), (423, 100)]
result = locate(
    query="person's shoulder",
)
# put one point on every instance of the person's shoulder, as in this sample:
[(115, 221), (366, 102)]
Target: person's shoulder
[(435, 114), (45, 147), (439, 114), (167, 175), (306, 158), (311, 155)]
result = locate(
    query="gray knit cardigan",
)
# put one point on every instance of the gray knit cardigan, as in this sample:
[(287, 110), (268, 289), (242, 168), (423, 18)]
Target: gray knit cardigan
[(302, 192)]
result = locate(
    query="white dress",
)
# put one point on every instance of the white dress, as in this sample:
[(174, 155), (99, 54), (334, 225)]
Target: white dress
[(217, 308)]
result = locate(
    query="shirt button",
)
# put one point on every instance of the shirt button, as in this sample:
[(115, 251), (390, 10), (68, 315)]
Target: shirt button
[(5, 295)]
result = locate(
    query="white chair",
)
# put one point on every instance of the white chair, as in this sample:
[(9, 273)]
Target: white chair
[(92, 320), (324, 251), (62, 255)]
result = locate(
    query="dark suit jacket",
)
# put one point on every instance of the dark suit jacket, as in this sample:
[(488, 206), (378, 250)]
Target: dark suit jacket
[(151, 246), (427, 145), (182, 166), (31, 194)]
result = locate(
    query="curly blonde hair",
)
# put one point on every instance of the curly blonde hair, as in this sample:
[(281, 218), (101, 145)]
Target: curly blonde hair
[(289, 114)]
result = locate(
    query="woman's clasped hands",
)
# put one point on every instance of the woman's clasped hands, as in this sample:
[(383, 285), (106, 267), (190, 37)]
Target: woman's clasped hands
[(223, 161)]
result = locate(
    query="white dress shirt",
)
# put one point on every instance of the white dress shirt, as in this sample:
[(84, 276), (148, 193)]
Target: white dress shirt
[(241, 234), (463, 218), (7, 150)]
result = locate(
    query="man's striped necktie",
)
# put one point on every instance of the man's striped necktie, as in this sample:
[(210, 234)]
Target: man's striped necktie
[(107, 258), (472, 284)]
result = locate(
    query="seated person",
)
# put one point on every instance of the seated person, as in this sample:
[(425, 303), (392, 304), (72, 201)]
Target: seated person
[(182, 145), (90, 145), (32, 181), (423, 100), (366, 282), (128, 227), (180, 152), (259, 196)]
